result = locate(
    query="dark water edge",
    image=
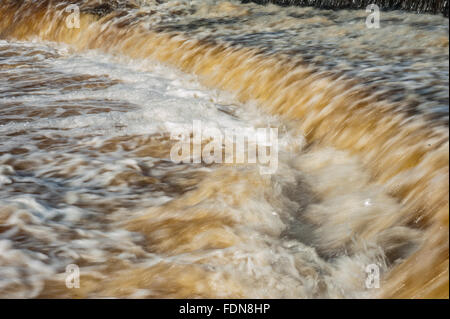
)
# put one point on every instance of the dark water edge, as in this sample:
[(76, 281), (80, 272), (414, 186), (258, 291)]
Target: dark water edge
[(419, 6)]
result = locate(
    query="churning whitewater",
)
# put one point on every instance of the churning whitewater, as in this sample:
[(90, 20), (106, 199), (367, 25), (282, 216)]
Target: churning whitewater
[(357, 189)]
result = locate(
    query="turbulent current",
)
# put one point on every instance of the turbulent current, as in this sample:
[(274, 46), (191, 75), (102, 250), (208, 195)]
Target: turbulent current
[(92, 91)]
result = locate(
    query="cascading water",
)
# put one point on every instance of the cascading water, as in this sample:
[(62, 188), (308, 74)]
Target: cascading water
[(86, 176)]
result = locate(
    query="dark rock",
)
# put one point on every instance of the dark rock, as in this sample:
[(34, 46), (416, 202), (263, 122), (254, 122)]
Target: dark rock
[(419, 6)]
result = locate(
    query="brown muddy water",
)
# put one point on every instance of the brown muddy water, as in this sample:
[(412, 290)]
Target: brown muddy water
[(86, 175)]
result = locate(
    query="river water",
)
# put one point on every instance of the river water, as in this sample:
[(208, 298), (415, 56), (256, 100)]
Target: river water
[(87, 177)]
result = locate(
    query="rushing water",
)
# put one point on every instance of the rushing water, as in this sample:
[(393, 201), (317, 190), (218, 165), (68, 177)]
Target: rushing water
[(86, 175), (419, 6)]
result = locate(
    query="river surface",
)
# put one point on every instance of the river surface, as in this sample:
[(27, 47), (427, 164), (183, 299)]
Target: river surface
[(87, 178)]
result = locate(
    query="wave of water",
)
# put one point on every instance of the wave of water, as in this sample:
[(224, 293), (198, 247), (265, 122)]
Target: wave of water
[(87, 178)]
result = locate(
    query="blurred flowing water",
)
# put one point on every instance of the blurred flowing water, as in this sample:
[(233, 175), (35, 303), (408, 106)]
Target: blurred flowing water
[(86, 178)]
